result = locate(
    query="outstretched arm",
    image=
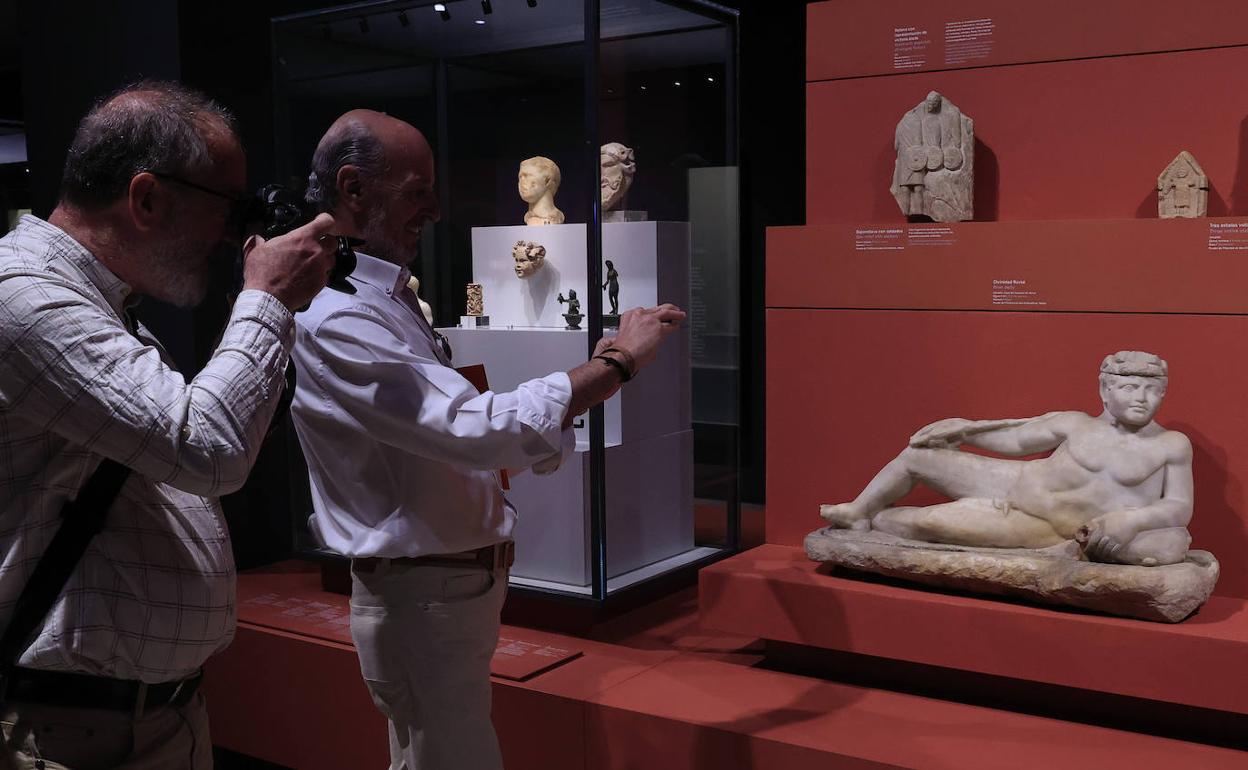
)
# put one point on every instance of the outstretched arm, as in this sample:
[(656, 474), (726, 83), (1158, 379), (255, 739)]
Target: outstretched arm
[(1008, 437)]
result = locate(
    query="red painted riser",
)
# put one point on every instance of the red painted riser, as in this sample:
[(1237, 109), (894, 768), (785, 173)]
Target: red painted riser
[(855, 39), (776, 592), (662, 695), (1134, 265), (847, 388), (1079, 139)]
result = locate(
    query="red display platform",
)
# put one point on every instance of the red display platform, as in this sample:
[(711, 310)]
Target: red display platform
[(1119, 265), (1080, 139), (887, 37), (776, 592), (663, 692)]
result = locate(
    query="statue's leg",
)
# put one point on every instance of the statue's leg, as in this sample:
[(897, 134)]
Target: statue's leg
[(978, 522), (1156, 547), (948, 471)]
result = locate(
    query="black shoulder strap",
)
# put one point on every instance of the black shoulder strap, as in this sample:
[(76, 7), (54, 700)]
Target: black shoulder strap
[(82, 518)]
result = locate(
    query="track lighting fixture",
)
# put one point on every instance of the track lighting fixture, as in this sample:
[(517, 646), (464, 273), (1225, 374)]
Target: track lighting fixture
[(441, 9), (487, 7)]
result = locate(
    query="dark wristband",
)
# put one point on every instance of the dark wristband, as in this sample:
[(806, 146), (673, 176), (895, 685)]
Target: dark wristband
[(629, 361), (618, 366)]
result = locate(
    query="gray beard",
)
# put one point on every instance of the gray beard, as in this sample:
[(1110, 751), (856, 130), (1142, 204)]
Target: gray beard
[(377, 244), (172, 280)]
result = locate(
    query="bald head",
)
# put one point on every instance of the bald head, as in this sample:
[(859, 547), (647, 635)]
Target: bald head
[(375, 174), (371, 141), (148, 126)]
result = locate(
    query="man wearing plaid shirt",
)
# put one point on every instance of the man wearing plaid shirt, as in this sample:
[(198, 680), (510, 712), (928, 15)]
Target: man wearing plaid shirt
[(151, 189)]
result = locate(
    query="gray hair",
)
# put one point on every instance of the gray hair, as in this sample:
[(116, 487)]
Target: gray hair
[(354, 145), (146, 126)]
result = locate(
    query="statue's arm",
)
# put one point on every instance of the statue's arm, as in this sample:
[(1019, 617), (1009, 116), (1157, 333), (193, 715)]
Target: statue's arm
[(1174, 509), (1025, 437), (1103, 536)]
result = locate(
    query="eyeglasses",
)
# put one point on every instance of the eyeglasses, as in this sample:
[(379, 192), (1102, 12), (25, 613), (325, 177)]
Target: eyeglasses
[(238, 203)]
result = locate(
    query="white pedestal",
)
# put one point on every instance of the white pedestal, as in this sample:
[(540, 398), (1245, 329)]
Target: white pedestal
[(649, 441), (646, 522), (652, 259)]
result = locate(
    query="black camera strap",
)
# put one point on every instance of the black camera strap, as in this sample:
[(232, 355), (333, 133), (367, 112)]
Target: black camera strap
[(81, 519)]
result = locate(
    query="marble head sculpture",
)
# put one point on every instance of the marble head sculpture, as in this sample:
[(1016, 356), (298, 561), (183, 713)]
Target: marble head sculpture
[(529, 258), (618, 167), (538, 182), (934, 174), (1118, 483)]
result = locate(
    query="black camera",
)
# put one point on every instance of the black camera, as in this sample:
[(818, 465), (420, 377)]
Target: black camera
[(276, 210)]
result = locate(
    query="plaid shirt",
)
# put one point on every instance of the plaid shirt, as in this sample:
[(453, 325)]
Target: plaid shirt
[(153, 596)]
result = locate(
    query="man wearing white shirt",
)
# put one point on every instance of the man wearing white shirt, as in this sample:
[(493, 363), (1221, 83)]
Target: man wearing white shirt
[(403, 453)]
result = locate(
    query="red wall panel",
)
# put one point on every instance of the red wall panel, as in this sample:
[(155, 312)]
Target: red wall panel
[(846, 388), (854, 39), (1066, 140), (848, 39), (1130, 265)]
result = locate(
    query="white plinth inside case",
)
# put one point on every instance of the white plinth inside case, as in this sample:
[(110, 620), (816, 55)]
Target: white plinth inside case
[(649, 441), (652, 259), (645, 522)]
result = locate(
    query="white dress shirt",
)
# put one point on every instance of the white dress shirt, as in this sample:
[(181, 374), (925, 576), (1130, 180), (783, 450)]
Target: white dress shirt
[(402, 451), (153, 596)]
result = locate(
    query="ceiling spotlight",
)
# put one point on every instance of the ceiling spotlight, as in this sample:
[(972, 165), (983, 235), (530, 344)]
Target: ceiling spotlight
[(364, 25), (710, 79), (478, 21), (487, 7), (403, 20), (676, 83), (441, 9), (643, 88)]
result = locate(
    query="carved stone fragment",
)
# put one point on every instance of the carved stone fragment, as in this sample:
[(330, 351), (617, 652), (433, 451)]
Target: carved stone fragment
[(1182, 189), (476, 299), (934, 174), (1054, 575)]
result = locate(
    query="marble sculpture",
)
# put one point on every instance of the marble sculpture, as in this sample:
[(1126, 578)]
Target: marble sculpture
[(935, 170), (529, 257), (1100, 522), (618, 168), (1182, 189), (538, 182)]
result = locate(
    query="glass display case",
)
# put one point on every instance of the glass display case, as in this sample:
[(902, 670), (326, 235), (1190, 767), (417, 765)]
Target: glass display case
[(628, 108)]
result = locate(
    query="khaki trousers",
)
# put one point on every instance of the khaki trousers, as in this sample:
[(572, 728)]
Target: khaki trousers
[(425, 635), (39, 737)]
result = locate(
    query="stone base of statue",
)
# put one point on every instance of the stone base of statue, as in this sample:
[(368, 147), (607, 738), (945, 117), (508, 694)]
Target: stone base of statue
[(611, 321), (625, 215), (574, 320), (474, 321), (1055, 575)]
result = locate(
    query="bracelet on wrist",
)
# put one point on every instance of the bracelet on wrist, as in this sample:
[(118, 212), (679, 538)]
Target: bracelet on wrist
[(617, 365), (629, 361)]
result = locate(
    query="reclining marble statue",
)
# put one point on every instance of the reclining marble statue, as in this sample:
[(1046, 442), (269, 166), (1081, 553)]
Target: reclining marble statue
[(1118, 484)]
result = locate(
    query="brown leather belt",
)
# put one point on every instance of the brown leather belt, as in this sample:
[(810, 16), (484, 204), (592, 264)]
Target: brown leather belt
[(492, 557)]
